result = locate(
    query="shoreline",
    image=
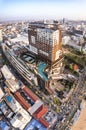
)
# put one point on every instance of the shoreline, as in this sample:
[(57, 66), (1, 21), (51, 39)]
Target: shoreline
[(80, 124)]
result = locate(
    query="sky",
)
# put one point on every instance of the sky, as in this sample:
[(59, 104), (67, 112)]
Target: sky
[(42, 9)]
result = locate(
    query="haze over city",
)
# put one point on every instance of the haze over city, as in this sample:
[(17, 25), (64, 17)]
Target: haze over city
[(42, 9), (42, 64)]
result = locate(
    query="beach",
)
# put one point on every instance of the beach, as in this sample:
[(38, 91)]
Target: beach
[(80, 124)]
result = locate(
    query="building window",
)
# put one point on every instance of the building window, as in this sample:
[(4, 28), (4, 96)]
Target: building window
[(33, 39)]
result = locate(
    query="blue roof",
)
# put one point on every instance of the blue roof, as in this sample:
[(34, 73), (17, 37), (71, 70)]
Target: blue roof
[(3, 125), (41, 66), (34, 125), (8, 98)]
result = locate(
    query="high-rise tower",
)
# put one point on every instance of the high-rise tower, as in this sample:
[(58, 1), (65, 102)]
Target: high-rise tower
[(45, 41)]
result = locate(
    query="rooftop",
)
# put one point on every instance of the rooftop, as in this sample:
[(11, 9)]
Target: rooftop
[(20, 38), (1, 93), (6, 72), (13, 104), (13, 85), (43, 25), (35, 106), (20, 119), (5, 108), (50, 117), (3, 125), (34, 125)]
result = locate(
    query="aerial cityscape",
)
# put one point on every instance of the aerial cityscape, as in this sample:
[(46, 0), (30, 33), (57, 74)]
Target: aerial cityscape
[(42, 65)]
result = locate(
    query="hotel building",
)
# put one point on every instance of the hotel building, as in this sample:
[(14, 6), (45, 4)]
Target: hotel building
[(45, 41)]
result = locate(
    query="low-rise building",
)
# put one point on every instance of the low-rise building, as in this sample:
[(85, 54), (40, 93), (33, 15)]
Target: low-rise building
[(1, 94), (7, 73), (34, 124), (13, 85), (20, 119), (11, 82), (13, 111), (4, 125)]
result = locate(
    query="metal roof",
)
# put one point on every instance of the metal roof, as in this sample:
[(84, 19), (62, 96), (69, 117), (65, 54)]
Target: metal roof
[(34, 125), (3, 125)]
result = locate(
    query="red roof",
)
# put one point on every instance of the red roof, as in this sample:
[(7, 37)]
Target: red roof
[(75, 67), (44, 123), (30, 94), (40, 112), (21, 100)]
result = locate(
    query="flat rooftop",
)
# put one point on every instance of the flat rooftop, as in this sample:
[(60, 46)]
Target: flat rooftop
[(35, 107), (50, 117), (1, 93), (34, 125), (43, 25), (3, 125), (5, 108), (12, 103), (20, 38), (13, 85), (7, 73)]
